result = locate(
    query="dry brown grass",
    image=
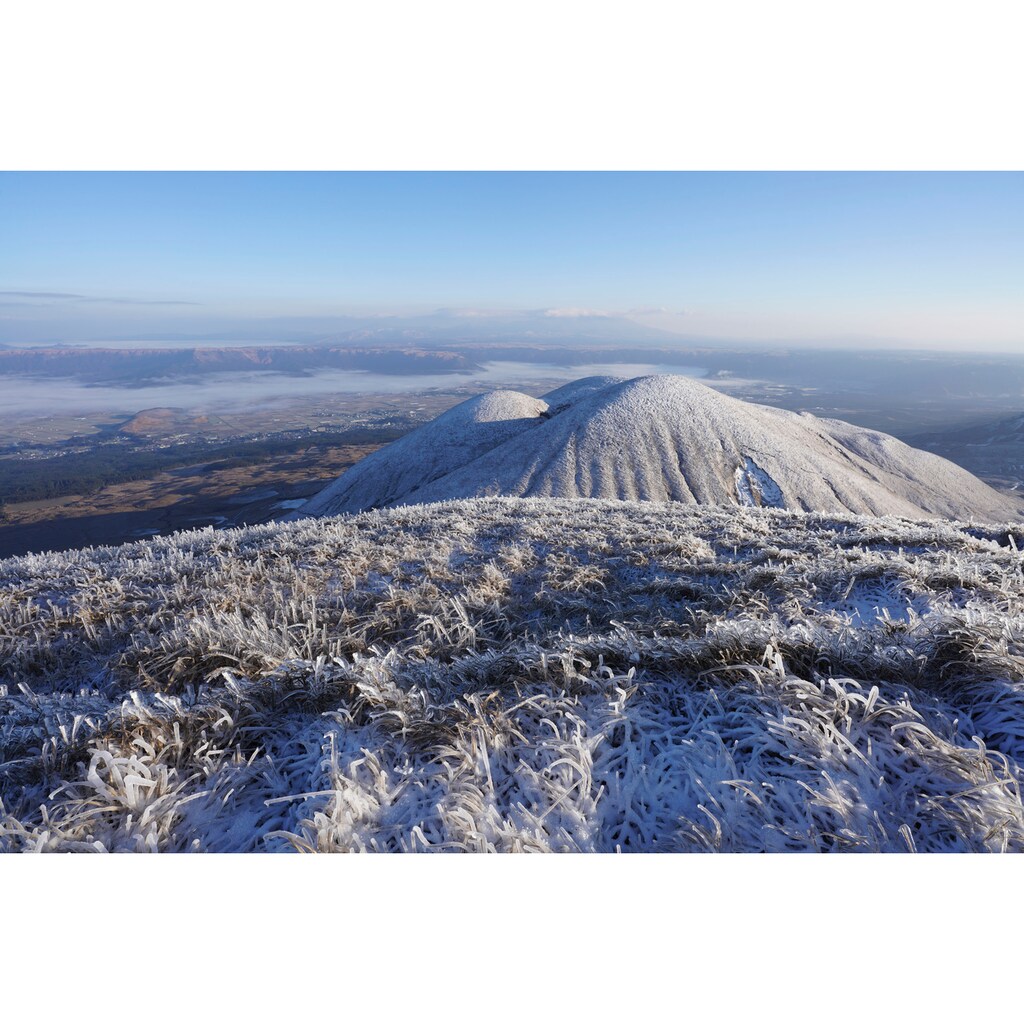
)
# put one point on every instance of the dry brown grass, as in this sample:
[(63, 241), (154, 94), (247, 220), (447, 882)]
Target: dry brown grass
[(519, 675)]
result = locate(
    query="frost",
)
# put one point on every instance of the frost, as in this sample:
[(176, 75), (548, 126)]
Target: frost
[(755, 488), (660, 438), (520, 675)]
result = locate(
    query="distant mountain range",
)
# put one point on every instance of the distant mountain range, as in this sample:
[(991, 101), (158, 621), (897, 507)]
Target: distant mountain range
[(661, 438), (436, 327)]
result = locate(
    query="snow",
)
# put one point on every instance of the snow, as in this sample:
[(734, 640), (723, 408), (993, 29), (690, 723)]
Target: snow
[(755, 488), (569, 394), (663, 438), (456, 437), (520, 674)]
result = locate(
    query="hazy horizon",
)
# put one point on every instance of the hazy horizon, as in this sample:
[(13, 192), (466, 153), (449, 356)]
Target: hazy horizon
[(912, 260)]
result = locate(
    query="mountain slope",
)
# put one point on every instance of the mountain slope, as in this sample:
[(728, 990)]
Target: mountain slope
[(992, 449), (453, 439), (1004, 430), (519, 674), (661, 438)]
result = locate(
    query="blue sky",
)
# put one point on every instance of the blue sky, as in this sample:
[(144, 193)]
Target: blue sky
[(918, 259)]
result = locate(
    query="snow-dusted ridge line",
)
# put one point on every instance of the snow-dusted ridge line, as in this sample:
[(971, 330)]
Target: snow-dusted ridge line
[(663, 438), (520, 674)]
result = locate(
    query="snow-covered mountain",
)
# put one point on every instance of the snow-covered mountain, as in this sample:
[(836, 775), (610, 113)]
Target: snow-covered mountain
[(659, 438), (535, 673)]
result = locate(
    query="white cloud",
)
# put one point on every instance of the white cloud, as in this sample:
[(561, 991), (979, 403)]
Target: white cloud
[(574, 312)]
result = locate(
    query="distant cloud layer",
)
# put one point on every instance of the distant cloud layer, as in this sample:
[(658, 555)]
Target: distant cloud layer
[(572, 313), (73, 298)]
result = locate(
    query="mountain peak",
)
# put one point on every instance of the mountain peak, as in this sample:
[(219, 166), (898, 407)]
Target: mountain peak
[(658, 438)]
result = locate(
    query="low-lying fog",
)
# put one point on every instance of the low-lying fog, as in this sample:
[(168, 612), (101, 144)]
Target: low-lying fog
[(33, 396)]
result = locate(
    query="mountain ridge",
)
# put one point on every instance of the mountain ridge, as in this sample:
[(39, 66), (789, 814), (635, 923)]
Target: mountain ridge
[(658, 438)]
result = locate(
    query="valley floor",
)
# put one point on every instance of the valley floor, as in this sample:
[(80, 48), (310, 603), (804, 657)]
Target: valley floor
[(503, 675)]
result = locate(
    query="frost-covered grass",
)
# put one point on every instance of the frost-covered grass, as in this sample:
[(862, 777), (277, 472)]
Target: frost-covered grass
[(516, 674)]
